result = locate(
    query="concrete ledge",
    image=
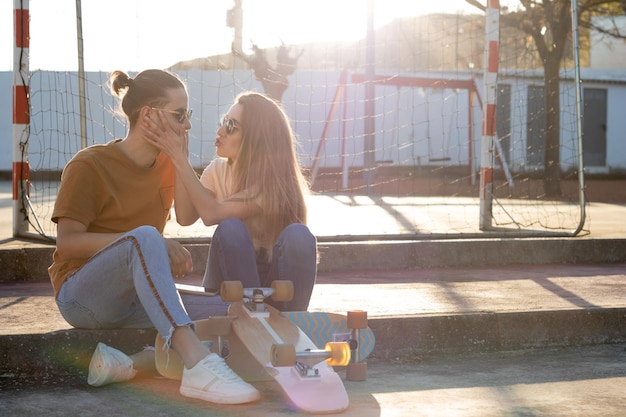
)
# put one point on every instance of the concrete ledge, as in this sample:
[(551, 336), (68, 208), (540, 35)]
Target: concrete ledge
[(55, 354), (30, 262), (469, 252), (485, 332), (27, 263), (61, 353)]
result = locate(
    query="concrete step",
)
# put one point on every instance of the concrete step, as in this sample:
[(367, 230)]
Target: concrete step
[(24, 260), (411, 311)]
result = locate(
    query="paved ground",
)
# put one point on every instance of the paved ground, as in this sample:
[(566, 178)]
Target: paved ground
[(29, 307), (471, 327), (578, 381), (341, 217)]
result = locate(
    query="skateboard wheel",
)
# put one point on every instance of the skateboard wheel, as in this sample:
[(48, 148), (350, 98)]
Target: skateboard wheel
[(339, 353), (283, 290), (356, 371), (357, 319), (231, 291), (283, 355)]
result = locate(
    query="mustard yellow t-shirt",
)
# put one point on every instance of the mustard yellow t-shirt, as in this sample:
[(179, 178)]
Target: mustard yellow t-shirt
[(108, 193)]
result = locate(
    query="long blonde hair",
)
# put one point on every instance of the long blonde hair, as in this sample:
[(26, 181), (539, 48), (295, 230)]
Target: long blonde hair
[(267, 164)]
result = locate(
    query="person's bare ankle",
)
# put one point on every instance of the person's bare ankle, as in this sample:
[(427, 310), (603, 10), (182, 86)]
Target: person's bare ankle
[(188, 346)]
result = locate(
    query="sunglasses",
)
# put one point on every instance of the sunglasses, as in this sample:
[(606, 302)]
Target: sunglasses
[(181, 115), (229, 124)]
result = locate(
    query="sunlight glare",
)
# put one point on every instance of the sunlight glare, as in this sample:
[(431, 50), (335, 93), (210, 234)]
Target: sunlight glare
[(329, 20), (139, 34)]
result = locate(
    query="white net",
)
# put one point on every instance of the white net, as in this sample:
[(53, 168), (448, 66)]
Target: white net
[(427, 109)]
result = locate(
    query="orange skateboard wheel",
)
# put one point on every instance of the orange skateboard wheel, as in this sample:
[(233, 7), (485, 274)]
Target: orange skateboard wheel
[(283, 290), (283, 355), (339, 353), (231, 291), (357, 319)]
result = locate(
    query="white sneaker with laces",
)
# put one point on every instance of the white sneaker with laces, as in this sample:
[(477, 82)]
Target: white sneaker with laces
[(109, 365), (212, 380)]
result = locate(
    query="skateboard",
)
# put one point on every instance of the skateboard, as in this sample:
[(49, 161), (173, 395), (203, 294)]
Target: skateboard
[(303, 371), (262, 344), (320, 327)]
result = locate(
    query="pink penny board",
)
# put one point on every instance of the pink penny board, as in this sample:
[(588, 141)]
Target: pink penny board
[(321, 394)]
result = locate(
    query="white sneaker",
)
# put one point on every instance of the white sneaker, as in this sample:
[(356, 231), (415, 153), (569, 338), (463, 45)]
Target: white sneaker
[(212, 380), (109, 365)]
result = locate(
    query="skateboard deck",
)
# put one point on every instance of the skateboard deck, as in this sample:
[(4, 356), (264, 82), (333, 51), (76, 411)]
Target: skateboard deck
[(245, 340), (322, 392)]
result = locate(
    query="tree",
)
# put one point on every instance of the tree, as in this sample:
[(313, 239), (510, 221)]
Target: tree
[(549, 24)]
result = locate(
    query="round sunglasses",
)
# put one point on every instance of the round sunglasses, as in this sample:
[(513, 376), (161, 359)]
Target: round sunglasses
[(229, 124), (181, 114)]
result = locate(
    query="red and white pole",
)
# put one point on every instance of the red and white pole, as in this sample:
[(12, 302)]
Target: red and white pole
[(487, 160), (21, 116)]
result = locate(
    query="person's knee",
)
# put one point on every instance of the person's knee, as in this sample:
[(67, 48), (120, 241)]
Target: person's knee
[(297, 240), (147, 237), (145, 232), (230, 227), (231, 232)]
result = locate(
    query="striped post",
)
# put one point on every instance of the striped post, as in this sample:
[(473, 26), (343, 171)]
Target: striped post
[(21, 117), (492, 36)]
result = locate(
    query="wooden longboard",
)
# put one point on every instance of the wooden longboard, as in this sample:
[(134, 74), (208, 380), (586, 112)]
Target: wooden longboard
[(320, 327), (321, 394), (248, 344)]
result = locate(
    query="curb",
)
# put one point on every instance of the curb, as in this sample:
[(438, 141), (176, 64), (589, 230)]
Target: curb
[(491, 332), (30, 263), (67, 352)]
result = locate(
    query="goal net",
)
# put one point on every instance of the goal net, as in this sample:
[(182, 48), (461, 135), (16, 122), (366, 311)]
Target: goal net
[(390, 124)]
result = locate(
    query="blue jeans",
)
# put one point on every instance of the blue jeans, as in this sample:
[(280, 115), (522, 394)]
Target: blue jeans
[(127, 284), (232, 258)]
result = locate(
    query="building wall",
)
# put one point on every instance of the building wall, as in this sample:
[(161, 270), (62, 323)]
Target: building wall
[(616, 127), (414, 126)]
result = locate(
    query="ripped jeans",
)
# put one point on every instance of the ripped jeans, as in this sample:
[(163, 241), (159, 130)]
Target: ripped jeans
[(127, 284), (232, 258)]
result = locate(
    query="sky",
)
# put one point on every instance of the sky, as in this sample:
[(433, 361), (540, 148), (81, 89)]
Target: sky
[(139, 34)]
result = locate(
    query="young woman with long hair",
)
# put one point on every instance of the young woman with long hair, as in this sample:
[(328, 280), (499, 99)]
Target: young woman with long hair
[(254, 191)]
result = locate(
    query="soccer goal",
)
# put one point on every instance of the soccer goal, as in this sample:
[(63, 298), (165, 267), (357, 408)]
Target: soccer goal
[(438, 125)]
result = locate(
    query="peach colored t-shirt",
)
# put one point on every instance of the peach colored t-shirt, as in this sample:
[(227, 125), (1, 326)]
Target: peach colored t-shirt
[(217, 177)]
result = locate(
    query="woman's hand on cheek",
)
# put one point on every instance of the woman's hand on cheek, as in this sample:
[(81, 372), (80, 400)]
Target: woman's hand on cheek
[(163, 136), (152, 130)]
